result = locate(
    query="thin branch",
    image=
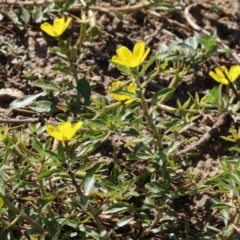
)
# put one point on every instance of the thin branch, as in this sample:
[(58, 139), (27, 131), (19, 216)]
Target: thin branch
[(205, 137), (19, 121), (28, 219), (190, 21)]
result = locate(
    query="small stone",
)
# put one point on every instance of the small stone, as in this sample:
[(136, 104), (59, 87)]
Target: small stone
[(9, 94)]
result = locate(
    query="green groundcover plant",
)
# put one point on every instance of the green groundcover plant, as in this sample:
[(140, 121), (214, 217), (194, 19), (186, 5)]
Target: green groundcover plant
[(74, 195)]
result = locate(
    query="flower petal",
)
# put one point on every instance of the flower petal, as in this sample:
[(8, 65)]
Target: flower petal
[(54, 133), (69, 134), (48, 28), (59, 26), (216, 77), (138, 51), (124, 53), (131, 88), (129, 101), (78, 125), (145, 55), (118, 60), (234, 73), (115, 85), (116, 96), (64, 126), (69, 19), (221, 70), (131, 59)]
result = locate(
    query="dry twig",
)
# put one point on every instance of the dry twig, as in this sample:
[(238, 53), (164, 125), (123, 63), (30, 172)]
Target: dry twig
[(206, 137), (190, 21)]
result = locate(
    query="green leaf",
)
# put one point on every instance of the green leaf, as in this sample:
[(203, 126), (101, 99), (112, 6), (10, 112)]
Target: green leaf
[(174, 146), (186, 104), (52, 155), (119, 90), (25, 100), (236, 149), (124, 221), (145, 221), (25, 16), (83, 202), (72, 152), (148, 63), (48, 6), (225, 215), (191, 42), (2, 186), (118, 15), (136, 156), (89, 147), (89, 232), (52, 164), (43, 106), (37, 15), (11, 14), (61, 153), (235, 178), (169, 215), (221, 205), (84, 88), (103, 235), (68, 4), (163, 92), (95, 168), (224, 51), (45, 85), (46, 174), (155, 188), (50, 197), (164, 64), (117, 207), (94, 31), (62, 117), (130, 132), (89, 183), (137, 141)]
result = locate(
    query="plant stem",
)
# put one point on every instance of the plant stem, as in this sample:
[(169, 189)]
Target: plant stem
[(28, 219), (43, 194), (89, 206), (148, 117), (173, 84), (76, 78), (166, 108), (80, 193), (230, 230), (83, 29), (153, 224)]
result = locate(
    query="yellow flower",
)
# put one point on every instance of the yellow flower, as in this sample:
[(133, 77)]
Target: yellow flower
[(219, 76), (121, 97), (131, 59), (64, 131), (58, 27)]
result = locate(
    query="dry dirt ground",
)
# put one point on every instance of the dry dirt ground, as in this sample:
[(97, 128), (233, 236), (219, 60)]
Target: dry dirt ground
[(154, 27)]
